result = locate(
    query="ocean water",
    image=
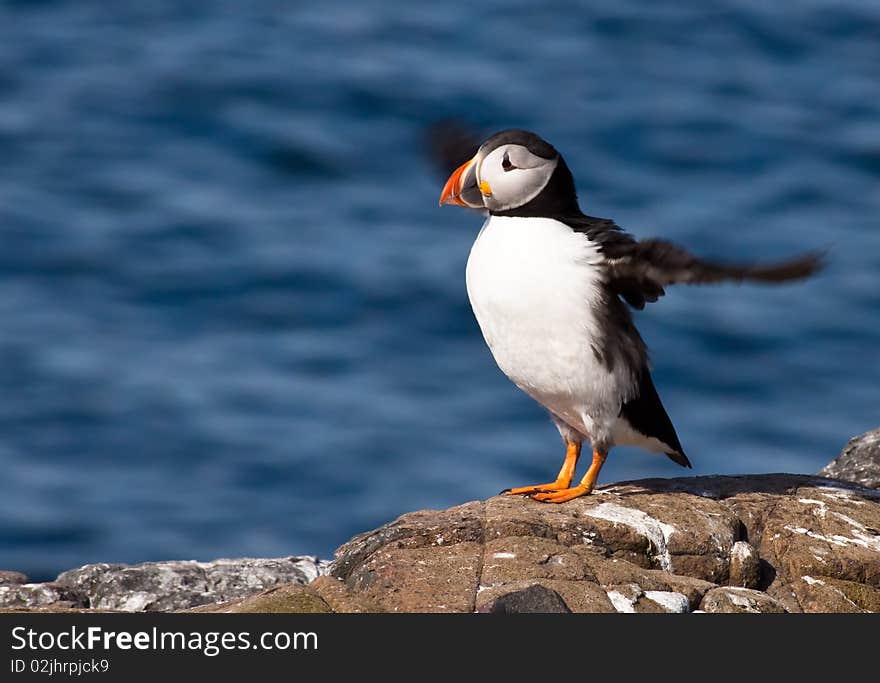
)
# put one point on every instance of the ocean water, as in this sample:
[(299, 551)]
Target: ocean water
[(234, 319)]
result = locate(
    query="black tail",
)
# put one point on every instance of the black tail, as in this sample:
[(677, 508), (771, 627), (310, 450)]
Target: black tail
[(646, 414)]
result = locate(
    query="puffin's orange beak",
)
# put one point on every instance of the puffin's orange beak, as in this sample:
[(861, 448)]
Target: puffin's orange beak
[(461, 189), (452, 189)]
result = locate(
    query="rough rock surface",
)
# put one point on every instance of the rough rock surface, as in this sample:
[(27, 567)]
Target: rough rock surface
[(536, 599), (7, 578), (745, 566), (764, 543), (858, 462), (40, 595), (160, 586), (288, 598), (732, 600)]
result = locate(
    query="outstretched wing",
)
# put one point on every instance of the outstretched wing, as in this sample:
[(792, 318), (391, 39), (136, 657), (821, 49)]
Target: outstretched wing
[(640, 270), (450, 143)]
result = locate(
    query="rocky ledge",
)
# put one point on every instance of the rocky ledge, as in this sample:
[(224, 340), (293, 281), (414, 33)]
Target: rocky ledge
[(155, 586), (763, 543), (859, 462)]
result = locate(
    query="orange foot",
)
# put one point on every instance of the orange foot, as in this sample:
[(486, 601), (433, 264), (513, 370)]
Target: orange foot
[(582, 489), (538, 488), (563, 495), (563, 480)]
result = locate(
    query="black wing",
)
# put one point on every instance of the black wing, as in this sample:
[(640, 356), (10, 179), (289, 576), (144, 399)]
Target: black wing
[(450, 143), (646, 415), (639, 271)]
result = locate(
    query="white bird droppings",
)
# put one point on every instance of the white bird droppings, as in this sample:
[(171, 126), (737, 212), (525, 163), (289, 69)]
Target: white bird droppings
[(670, 601), (861, 539), (621, 602), (811, 501), (741, 551), (653, 529)]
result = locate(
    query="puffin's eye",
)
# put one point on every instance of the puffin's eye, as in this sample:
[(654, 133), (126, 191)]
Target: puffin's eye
[(505, 163)]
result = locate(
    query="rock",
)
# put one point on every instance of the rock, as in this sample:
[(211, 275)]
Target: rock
[(413, 530), (858, 462), (618, 572), (708, 543), (286, 599), (438, 579), (578, 596), (670, 601), (631, 599), (334, 593), (745, 566), (176, 585), (41, 595), (762, 543), (866, 598), (823, 531), (739, 600), (7, 578), (534, 599), (830, 594), (683, 534)]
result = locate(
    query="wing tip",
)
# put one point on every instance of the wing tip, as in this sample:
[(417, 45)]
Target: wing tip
[(813, 261), (680, 458), (799, 268), (449, 142)]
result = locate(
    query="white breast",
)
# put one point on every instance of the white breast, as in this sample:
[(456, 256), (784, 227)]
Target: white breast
[(533, 284)]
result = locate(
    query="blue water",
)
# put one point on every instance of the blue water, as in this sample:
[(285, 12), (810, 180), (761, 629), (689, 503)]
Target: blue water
[(234, 319)]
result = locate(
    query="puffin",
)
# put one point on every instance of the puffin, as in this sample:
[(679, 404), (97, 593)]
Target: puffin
[(552, 291)]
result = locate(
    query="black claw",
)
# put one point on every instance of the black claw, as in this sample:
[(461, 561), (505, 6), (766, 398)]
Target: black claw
[(505, 491)]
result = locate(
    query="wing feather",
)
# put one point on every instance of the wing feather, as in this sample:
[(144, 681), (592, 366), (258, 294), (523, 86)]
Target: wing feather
[(639, 271)]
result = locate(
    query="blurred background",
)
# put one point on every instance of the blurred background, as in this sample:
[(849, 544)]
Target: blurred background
[(234, 319)]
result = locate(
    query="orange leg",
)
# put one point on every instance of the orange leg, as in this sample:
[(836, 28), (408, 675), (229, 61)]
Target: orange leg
[(563, 481), (582, 489)]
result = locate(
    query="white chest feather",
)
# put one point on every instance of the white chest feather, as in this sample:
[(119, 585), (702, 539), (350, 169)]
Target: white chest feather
[(534, 284)]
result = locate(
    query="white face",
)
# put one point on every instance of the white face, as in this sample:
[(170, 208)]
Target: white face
[(511, 176)]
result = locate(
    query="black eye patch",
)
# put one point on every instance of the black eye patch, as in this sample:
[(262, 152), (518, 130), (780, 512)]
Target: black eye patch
[(505, 163)]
